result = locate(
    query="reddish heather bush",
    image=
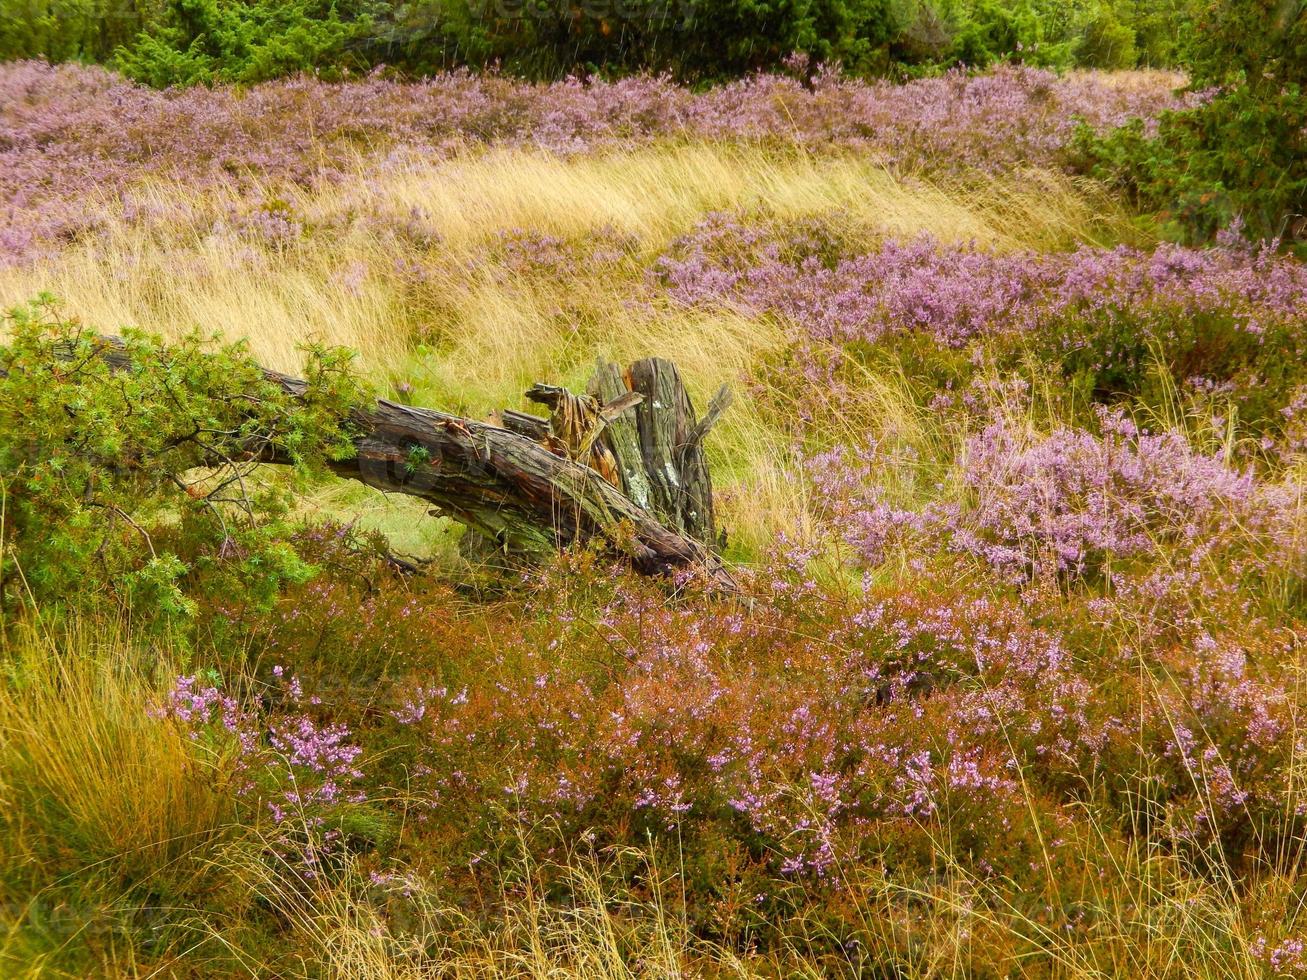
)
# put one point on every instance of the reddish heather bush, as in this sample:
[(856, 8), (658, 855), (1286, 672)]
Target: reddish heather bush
[(783, 748)]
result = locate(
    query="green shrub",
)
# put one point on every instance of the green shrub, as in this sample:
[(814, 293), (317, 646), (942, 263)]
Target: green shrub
[(216, 41), (1240, 159), (1105, 41), (988, 30), (72, 30), (1241, 156), (706, 40), (179, 42), (1163, 30), (122, 482)]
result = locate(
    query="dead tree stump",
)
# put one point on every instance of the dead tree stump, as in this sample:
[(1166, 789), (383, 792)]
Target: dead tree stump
[(638, 429)]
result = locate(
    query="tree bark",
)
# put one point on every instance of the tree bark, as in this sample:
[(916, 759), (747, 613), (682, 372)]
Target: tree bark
[(622, 435), (506, 485), (661, 452), (653, 451)]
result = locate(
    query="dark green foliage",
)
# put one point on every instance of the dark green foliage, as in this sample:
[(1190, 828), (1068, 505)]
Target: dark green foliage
[(1049, 33), (1106, 41), (119, 484), (427, 36), (222, 41), (1163, 30), (178, 42), (1261, 44), (251, 40), (1240, 157), (72, 30), (987, 30), (693, 39), (754, 34)]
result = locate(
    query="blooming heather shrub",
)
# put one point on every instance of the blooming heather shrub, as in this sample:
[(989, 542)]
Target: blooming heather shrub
[(955, 293), (298, 775), (68, 130), (1075, 504), (950, 293), (692, 738), (1229, 317), (904, 715)]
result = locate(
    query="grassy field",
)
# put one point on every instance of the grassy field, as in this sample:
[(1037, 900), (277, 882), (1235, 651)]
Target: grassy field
[(467, 280), (1015, 490)]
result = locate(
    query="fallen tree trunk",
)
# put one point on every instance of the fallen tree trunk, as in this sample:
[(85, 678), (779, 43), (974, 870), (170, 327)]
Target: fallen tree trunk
[(508, 486)]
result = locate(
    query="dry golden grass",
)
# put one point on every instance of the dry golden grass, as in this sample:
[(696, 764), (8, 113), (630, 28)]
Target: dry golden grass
[(87, 766), (175, 273), (1136, 80), (107, 811), (1155, 918), (658, 192), (601, 933), (488, 331)]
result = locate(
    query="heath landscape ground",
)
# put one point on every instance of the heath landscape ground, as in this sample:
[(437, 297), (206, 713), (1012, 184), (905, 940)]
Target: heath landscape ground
[(1014, 489)]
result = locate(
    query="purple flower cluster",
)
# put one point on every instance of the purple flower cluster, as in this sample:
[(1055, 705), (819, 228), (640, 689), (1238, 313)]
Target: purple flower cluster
[(205, 708), (324, 754), (74, 138), (285, 760), (1287, 958), (955, 293), (1073, 503), (1295, 415)]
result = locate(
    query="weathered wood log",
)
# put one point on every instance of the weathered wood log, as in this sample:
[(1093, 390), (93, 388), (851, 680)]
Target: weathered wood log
[(654, 453), (577, 423), (507, 486), (510, 488), (524, 424), (622, 437), (670, 471)]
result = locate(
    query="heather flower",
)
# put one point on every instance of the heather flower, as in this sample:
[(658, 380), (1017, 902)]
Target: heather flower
[(73, 138), (1074, 504), (956, 294), (287, 763)]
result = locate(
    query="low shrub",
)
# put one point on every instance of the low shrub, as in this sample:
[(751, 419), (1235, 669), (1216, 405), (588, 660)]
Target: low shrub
[(125, 482), (209, 41), (1241, 157), (597, 714), (182, 42)]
